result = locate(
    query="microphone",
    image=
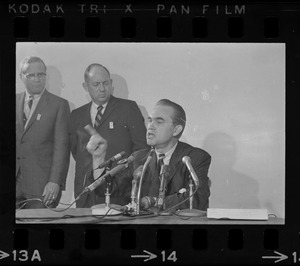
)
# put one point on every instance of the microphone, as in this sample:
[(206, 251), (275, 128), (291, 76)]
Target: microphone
[(136, 177), (147, 202), (187, 161), (112, 172), (164, 173), (115, 158)]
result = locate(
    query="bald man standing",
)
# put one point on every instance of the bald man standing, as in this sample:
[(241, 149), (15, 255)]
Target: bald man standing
[(117, 120)]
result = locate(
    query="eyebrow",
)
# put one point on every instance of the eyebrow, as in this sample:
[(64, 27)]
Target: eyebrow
[(156, 118)]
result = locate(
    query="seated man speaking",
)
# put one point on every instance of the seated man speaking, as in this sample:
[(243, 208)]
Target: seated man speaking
[(165, 126)]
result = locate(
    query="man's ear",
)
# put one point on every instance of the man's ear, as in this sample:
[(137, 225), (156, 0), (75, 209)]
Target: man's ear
[(177, 130), (112, 88), (84, 85)]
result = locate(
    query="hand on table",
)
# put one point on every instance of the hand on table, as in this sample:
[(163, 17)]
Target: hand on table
[(50, 193)]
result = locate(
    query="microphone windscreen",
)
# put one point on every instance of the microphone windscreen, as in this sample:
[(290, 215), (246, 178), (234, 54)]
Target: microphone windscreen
[(186, 159), (147, 202), (130, 159), (165, 169), (120, 155)]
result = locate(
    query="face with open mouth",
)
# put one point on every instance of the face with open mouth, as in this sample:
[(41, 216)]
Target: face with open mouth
[(161, 131)]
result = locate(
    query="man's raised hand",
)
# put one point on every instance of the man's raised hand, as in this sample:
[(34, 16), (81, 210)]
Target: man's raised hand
[(97, 145)]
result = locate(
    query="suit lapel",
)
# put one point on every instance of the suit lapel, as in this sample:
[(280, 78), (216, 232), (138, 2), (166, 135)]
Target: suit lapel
[(152, 167), (86, 115), (20, 108), (39, 109), (176, 161), (151, 180)]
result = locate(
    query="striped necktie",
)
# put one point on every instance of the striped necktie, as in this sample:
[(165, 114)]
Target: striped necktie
[(98, 116)]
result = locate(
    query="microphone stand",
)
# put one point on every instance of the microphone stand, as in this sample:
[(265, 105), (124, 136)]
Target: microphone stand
[(160, 202), (133, 203), (190, 211), (105, 208), (138, 198)]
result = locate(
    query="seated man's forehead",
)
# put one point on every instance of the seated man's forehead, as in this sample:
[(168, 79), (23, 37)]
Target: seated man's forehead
[(162, 111)]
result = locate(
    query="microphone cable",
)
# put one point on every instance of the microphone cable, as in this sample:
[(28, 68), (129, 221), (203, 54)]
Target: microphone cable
[(52, 209), (177, 204)]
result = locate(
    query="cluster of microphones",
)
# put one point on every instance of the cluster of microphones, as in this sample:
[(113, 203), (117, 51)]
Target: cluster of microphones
[(138, 204)]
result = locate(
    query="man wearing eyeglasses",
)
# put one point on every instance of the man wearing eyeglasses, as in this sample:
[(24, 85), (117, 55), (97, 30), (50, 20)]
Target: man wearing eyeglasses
[(42, 141), (119, 121)]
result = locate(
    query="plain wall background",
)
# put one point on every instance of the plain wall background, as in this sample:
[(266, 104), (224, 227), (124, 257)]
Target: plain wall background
[(233, 95)]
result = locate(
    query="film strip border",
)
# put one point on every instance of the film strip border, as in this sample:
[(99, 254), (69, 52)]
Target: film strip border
[(152, 22), (96, 22), (128, 28), (128, 239), (128, 245)]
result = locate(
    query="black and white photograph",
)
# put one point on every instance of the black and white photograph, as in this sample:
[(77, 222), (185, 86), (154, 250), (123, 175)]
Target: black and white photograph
[(150, 133)]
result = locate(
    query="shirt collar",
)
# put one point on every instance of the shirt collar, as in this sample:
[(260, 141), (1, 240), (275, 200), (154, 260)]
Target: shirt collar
[(95, 106), (168, 154), (35, 96)]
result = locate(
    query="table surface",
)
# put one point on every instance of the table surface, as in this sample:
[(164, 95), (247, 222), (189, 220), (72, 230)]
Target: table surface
[(85, 216)]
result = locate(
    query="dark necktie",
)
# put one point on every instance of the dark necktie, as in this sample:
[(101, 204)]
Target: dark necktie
[(29, 104), (155, 180), (98, 116), (160, 162)]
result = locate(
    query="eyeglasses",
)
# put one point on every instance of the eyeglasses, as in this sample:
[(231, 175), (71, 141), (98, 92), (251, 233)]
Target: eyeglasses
[(32, 76)]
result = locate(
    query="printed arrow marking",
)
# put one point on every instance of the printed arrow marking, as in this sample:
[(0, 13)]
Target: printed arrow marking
[(280, 257), (3, 255), (150, 256)]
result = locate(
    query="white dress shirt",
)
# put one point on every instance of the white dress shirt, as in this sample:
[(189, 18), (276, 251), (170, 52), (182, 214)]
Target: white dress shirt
[(168, 154), (94, 111)]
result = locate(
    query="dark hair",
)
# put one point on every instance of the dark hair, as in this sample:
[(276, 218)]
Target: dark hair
[(30, 59), (88, 69), (179, 117)]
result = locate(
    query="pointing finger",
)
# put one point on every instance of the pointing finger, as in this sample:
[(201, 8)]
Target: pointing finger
[(90, 130)]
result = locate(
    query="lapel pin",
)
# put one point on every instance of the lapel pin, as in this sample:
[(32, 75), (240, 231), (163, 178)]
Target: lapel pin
[(38, 117), (111, 125)]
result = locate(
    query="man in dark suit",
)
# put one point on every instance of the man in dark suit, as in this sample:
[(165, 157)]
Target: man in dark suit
[(42, 141), (165, 126), (119, 121)]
